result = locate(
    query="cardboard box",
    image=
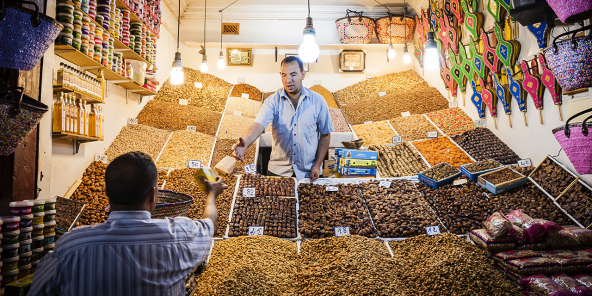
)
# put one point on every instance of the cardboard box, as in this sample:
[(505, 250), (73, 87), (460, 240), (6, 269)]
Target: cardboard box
[(357, 154), (358, 163), (210, 175), (356, 171), (338, 175)]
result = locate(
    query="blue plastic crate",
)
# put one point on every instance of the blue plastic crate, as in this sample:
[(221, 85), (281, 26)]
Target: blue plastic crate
[(497, 189), (475, 176), (435, 184)]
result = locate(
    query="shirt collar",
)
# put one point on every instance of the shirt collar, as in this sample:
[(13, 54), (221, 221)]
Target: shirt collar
[(303, 92), (137, 215)]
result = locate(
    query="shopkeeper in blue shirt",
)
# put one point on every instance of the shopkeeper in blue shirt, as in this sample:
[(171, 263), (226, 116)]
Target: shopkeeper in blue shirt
[(301, 128)]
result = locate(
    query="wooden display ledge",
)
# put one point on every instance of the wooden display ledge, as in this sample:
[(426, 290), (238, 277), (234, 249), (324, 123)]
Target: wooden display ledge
[(64, 89), (575, 91), (336, 138), (128, 53), (136, 88)]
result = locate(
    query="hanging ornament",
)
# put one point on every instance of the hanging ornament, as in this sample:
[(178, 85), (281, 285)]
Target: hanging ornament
[(448, 80), (478, 63), (420, 29), (490, 99), (489, 56), (532, 84), (449, 35), (434, 16), (456, 9), (457, 73), (477, 100), (541, 32), (418, 53), (506, 51), (518, 92), (495, 9), (473, 19), (503, 93), (549, 81)]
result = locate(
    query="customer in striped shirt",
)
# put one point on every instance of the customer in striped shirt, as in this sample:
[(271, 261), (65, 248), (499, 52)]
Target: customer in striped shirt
[(130, 254)]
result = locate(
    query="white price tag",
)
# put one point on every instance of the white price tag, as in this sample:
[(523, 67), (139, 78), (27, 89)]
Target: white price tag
[(245, 96), (397, 139), (331, 188), (255, 230), (369, 75), (194, 164), (481, 122), (524, 163), (238, 113), (183, 102), (250, 169), (366, 122), (341, 231), (432, 230), (249, 192), (240, 80), (384, 183), (192, 128), (432, 135), (459, 182), (132, 121), (101, 157), (405, 114), (317, 82), (452, 104), (382, 94), (198, 84)]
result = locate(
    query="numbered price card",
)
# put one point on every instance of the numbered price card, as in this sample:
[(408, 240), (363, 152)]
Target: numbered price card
[(524, 163), (481, 122), (101, 157), (452, 104), (432, 135), (367, 122), (255, 230), (397, 139), (132, 121), (432, 230), (369, 75), (194, 164), (341, 231), (382, 94), (459, 182), (183, 102), (192, 128), (384, 183), (240, 80), (250, 169), (245, 96), (238, 113), (198, 84), (406, 113), (249, 192), (331, 188)]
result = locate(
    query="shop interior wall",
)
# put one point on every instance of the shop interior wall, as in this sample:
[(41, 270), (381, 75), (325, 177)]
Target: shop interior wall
[(536, 140)]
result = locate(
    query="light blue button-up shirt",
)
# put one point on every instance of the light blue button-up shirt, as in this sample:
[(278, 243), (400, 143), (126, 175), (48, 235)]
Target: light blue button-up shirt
[(295, 132)]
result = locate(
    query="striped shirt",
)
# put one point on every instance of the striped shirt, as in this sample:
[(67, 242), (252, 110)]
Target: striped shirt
[(129, 254)]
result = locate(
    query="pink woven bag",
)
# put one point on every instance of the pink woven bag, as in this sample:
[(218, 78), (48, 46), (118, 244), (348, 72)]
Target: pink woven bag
[(576, 141), (570, 11)]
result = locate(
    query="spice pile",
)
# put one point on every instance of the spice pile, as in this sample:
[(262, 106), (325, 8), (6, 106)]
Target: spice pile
[(223, 148), (414, 127), (184, 146), (375, 133), (399, 160), (552, 177), (452, 121), (174, 117), (246, 107), (326, 94), (483, 144), (92, 192), (138, 138), (440, 150), (339, 122), (243, 88)]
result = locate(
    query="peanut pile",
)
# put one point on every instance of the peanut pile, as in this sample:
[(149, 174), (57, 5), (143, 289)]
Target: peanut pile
[(413, 128), (399, 160), (243, 88), (246, 107), (223, 148), (138, 138), (92, 192), (174, 117), (184, 146), (326, 94), (339, 122), (375, 133)]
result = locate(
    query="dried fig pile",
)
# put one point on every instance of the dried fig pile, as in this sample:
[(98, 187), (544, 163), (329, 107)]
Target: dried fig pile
[(553, 178), (92, 192), (577, 201), (483, 144), (268, 186)]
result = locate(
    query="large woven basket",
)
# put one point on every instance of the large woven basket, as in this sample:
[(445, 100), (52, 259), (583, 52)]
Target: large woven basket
[(355, 29), (171, 204), (396, 31), (576, 141)]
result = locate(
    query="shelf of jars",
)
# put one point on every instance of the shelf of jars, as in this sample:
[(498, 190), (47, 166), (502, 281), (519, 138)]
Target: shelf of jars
[(66, 89), (133, 17)]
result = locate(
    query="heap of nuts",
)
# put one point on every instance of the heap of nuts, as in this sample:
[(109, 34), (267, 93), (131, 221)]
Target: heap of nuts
[(452, 121), (414, 127), (212, 95), (339, 122), (242, 107), (375, 133), (440, 150), (480, 166), (461, 208), (173, 117), (268, 186), (326, 94), (184, 146), (501, 176), (399, 210), (448, 264), (552, 177), (223, 148), (92, 192), (66, 212), (234, 126), (268, 94), (398, 160), (348, 265), (139, 137), (243, 88), (162, 175), (277, 215), (483, 144), (440, 172), (577, 201), (250, 265), (320, 211)]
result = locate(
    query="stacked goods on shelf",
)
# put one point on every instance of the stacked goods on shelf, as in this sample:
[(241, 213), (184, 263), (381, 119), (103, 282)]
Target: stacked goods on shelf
[(560, 284), (414, 127), (184, 146), (138, 138), (11, 229), (80, 82), (446, 262), (553, 178), (148, 11), (375, 133), (398, 210), (405, 91), (250, 265), (440, 150), (339, 122), (355, 163), (212, 95), (162, 175), (242, 107), (244, 89), (398, 160), (577, 201), (173, 117), (452, 121), (74, 116), (326, 94), (320, 211), (92, 192), (47, 207), (16, 253), (483, 144), (349, 265), (223, 148)]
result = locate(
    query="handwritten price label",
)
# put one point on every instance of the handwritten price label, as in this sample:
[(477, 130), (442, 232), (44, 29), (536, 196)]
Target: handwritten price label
[(194, 164), (183, 102), (245, 96), (250, 169), (132, 121), (432, 135), (524, 163), (331, 188), (459, 182), (397, 139), (249, 192), (369, 75), (238, 113), (192, 128), (367, 122), (255, 230), (198, 84), (341, 231), (382, 94), (452, 104), (432, 230), (481, 122), (101, 157), (240, 80), (405, 114), (384, 183)]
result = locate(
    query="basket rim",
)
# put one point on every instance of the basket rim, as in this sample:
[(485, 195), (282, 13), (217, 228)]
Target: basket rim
[(563, 41), (351, 17), (41, 14), (577, 124)]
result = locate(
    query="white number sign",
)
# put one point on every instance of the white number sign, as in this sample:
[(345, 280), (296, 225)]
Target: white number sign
[(249, 192), (240, 80), (194, 164), (481, 122), (331, 188), (459, 182), (238, 113), (183, 102), (432, 230), (432, 135), (366, 122), (198, 85), (132, 121), (452, 104), (192, 128), (384, 183), (369, 75), (406, 113), (250, 169), (341, 231), (525, 162), (101, 157), (397, 139), (255, 230), (245, 96), (382, 94)]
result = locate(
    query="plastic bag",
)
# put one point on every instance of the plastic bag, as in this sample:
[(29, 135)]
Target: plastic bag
[(518, 218), (497, 225), (534, 230), (483, 239), (586, 252), (558, 253), (517, 234), (542, 245), (544, 286), (563, 239), (573, 264), (584, 279), (550, 227), (519, 254), (571, 284), (584, 235), (534, 265)]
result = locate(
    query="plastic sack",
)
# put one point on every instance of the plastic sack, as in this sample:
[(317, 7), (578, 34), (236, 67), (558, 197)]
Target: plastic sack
[(497, 225), (519, 254), (571, 284), (518, 218), (534, 265), (584, 235), (540, 245), (563, 239), (573, 264), (534, 231), (586, 252), (558, 253), (484, 240), (517, 234), (584, 279), (544, 286)]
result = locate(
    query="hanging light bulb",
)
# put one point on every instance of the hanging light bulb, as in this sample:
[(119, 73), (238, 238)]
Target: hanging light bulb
[(431, 53), (204, 64), (309, 50), (391, 52), (177, 70), (406, 56), (221, 61)]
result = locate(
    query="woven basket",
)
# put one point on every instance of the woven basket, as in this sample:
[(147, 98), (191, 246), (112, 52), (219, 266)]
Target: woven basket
[(355, 29), (396, 31), (171, 204), (570, 11), (576, 141)]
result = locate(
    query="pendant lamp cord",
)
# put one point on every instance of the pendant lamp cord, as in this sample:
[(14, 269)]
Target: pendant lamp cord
[(205, 18), (178, 25), (308, 8), (405, 21), (221, 24)]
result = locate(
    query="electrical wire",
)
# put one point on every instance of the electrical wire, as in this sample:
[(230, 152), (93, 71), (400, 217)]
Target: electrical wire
[(221, 22), (308, 8), (178, 25), (205, 18)]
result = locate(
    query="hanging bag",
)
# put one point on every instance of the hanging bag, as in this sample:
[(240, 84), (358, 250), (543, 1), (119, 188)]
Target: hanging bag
[(25, 35), (396, 30), (19, 114), (355, 30), (570, 11), (576, 141), (571, 60)]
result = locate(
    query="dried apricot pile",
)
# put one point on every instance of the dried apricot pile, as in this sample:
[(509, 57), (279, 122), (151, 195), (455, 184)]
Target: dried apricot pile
[(440, 150)]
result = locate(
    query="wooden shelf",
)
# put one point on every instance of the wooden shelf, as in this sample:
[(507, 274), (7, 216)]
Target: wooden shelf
[(108, 74), (65, 89), (136, 88), (66, 135), (128, 53), (133, 16), (75, 56), (575, 91)]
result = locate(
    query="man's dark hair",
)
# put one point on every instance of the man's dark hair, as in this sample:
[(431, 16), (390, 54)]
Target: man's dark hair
[(129, 177), (290, 59)]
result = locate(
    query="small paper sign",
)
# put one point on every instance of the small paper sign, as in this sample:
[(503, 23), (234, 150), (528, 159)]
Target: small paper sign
[(249, 192), (255, 230), (366, 122), (452, 104), (194, 164), (240, 80), (369, 75), (524, 163), (432, 135), (132, 121), (317, 82), (198, 85), (432, 230), (101, 157), (341, 231), (238, 113), (384, 183), (192, 128), (331, 188), (250, 169), (405, 114), (183, 102), (245, 96), (397, 139), (459, 182), (382, 94), (481, 122)]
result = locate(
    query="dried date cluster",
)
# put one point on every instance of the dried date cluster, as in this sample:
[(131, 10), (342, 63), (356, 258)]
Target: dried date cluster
[(398, 211), (277, 215), (92, 192), (553, 178), (440, 172), (482, 166), (320, 211), (268, 186), (399, 160), (577, 201), (482, 144), (501, 176), (66, 212)]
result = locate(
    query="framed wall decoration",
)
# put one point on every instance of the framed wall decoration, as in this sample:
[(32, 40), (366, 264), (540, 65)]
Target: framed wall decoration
[(304, 65), (239, 57), (352, 61)]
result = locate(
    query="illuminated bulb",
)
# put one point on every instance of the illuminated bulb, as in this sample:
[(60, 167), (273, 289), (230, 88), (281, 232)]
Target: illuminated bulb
[(221, 61), (351, 67), (406, 56), (204, 64), (309, 50), (391, 52), (177, 70), (431, 58)]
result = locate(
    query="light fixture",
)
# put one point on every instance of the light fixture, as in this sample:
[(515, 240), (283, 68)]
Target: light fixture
[(221, 60), (391, 51), (406, 56), (431, 53), (204, 61), (204, 64), (309, 50), (177, 76)]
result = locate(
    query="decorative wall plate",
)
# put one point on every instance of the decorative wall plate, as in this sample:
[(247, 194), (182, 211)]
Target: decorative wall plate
[(473, 21), (456, 72), (478, 63)]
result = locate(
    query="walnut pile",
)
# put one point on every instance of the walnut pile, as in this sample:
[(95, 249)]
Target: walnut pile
[(92, 192)]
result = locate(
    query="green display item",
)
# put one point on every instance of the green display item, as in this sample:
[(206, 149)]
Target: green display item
[(478, 64), (495, 9), (456, 71)]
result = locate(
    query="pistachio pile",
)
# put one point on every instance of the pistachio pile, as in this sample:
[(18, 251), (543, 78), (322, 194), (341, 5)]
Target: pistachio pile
[(440, 172)]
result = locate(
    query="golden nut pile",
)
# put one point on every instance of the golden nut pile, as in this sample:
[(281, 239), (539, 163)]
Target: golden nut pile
[(223, 148), (399, 160), (243, 88), (174, 117), (246, 107), (414, 127), (162, 175), (234, 127), (211, 96), (375, 133), (326, 94), (339, 122), (184, 146), (92, 192), (138, 138), (250, 265), (348, 265), (268, 94), (446, 262)]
